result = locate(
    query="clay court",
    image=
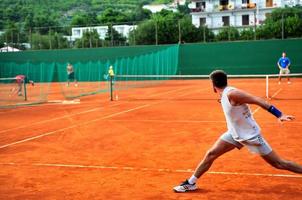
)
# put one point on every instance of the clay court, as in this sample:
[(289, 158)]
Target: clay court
[(143, 144)]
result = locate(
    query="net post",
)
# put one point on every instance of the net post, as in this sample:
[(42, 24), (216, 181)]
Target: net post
[(266, 87), (25, 92), (111, 88)]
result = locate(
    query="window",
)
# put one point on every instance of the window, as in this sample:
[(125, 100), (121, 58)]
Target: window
[(224, 2), (226, 20), (245, 20), (201, 5), (202, 21), (245, 1), (269, 3), (76, 32)]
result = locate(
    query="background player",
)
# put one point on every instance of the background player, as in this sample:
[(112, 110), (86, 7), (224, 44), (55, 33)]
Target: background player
[(70, 75), (20, 80), (283, 64)]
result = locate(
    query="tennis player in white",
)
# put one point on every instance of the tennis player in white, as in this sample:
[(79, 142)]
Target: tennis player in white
[(243, 130)]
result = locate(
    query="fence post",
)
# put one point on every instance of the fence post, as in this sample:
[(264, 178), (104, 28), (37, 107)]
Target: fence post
[(282, 25), (255, 24), (49, 37), (179, 32), (156, 36), (204, 33), (111, 34)]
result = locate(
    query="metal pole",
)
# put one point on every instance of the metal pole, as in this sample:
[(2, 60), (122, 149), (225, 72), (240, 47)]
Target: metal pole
[(90, 42), (111, 34), (156, 36), (12, 38), (179, 32), (49, 37), (282, 25), (134, 30), (255, 25), (204, 33), (266, 88), (30, 39), (25, 93), (111, 88)]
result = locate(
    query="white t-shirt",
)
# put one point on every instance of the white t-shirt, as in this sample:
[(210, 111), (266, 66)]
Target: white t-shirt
[(240, 121)]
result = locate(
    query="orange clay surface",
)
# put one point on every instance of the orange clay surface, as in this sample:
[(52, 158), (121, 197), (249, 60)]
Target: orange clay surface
[(143, 144)]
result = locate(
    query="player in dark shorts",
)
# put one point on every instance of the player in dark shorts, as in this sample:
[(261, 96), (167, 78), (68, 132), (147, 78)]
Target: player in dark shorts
[(70, 75)]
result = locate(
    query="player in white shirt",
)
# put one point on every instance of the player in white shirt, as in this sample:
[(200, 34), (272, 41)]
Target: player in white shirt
[(243, 130)]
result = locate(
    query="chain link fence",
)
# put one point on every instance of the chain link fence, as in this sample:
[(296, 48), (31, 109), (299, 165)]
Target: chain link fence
[(150, 32)]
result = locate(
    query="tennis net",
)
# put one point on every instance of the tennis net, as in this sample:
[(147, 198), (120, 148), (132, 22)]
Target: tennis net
[(198, 87), (16, 92), (12, 92)]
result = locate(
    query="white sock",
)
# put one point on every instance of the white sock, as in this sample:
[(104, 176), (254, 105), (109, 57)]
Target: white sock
[(193, 179)]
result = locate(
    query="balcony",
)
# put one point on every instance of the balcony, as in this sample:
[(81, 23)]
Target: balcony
[(218, 8), (198, 9), (248, 6)]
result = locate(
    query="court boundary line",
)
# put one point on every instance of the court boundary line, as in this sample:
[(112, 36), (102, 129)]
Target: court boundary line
[(186, 121), (258, 108), (82, 112), (137, 169), (91, 121), (73, 126)]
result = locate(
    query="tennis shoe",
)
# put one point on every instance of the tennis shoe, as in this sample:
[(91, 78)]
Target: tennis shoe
[(185, 186)]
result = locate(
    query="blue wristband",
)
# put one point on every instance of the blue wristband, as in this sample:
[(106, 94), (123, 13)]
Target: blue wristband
[(275, 111)]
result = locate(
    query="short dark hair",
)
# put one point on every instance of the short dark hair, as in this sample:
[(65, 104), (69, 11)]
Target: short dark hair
[(219, 78)]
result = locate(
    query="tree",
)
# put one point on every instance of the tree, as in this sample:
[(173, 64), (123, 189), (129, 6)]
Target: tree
[(13, 36), (247, 34), (83, 19), (51, 41), (189, 33), (288, 18), (167, 27), (89, 39), (227, 33), (114, 38), (112, 16), (144, 34)]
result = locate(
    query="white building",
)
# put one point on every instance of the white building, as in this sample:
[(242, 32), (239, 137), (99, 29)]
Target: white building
[(216, 14), (9, 49), (154, 8), (77, 32)]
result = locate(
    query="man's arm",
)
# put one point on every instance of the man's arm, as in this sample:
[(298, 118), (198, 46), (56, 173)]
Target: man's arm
[(288, 63), (278, 63), (239, 97)]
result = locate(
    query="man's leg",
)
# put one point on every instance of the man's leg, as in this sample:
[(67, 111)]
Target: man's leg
[(274, 160), (218, 149)]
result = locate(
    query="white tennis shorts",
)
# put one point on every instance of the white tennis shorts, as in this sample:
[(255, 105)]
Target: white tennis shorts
[(256, 144), (284, 71)]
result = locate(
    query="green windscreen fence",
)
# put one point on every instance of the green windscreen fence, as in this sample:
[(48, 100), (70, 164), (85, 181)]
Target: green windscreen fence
[(254, 57), (48, 68), (40, 73)]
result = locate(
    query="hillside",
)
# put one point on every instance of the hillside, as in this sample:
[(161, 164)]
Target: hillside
[(62, 11)]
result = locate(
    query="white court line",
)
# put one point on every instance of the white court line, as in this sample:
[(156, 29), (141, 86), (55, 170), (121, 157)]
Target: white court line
[(80, 124), (73, 126), (183, 121), (83, 112), (146, 169), (277, 92)]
